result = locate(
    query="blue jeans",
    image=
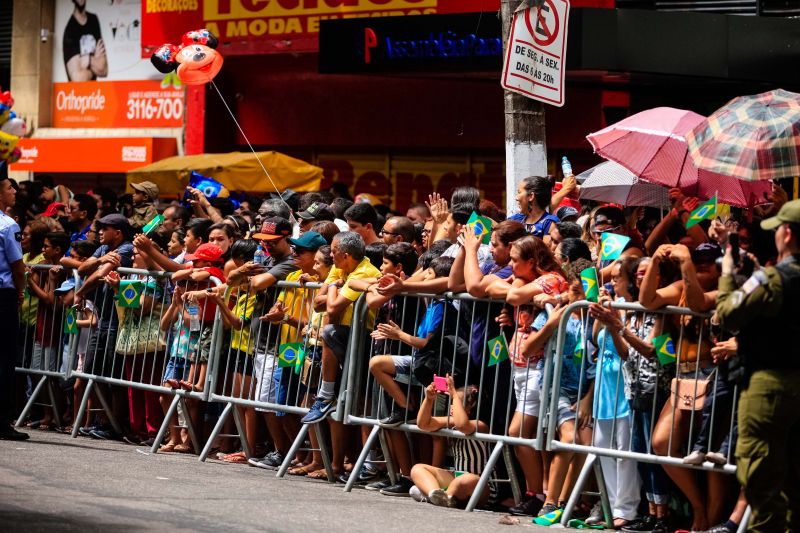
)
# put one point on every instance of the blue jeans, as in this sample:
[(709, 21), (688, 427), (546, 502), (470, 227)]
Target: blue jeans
[(654, 479)]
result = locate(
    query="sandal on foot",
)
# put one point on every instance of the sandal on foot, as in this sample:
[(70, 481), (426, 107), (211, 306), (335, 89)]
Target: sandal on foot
[(318, 474), (168, 447), (303, 470), (184, 448), (173, 383), (238, 457)]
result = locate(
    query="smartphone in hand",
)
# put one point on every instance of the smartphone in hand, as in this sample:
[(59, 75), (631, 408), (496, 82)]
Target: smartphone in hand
[(440, 384)]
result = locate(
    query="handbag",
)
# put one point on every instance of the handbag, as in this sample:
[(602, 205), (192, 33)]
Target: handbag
[(140, 335), (688, 394)]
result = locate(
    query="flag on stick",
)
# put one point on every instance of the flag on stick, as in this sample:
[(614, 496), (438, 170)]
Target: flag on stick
[(482, 226), (153, 224), (665, 349), (704, 211), (498, 350), (612, 245), (289, 353), (71, 322), (130, 293), (589, 282)]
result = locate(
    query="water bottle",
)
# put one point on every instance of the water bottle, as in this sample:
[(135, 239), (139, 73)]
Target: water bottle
[(566, 167), (194, 316), (260, 256)]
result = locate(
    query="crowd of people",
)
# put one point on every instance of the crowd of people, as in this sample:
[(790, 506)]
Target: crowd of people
[(428, 354)]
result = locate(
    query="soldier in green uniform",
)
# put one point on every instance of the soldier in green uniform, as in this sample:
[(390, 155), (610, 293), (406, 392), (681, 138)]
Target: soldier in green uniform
[(764, 313)]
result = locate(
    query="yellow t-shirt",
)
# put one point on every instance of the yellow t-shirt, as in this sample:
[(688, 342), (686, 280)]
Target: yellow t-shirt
[(365, 269), (297, 303), (244, 308), (30, 305)]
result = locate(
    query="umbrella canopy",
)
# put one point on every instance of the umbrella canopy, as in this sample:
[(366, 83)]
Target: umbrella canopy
[(751, 137), (652, 145), (611, 182), (237, 171)]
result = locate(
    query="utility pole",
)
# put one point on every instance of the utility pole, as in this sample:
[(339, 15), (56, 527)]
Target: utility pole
[(526, 153)]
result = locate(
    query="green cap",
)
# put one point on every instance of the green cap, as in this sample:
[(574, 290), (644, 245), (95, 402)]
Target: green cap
[(790, 212)]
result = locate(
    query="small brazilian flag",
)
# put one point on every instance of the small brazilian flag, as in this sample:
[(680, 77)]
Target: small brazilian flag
[(153, 224), (589, 282), (705, 211), (482, 226), (612, 245), (665, 349), (71, 322), (298, 365), (130, 292), (498, 350), (289, 353), (577, 354)]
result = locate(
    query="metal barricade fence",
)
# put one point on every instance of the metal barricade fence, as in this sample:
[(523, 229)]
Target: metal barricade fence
[(270, 362), (138, 337), (689, 395), (46, 350), (460, 349)]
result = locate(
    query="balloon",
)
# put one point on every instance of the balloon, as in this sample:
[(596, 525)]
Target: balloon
[(15, 155), (196, 60), (15, 126), (7, 144)]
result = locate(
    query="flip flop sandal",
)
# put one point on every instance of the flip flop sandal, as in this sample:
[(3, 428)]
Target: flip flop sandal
[(238, 457), (169, 447), (184, 448), (318, 474), (303, 470)]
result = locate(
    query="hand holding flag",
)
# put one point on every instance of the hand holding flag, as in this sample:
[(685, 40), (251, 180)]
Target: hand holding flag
[(498, 350), (590, 285), (704, 211), (482, 226), (130, 292), (153, 224)]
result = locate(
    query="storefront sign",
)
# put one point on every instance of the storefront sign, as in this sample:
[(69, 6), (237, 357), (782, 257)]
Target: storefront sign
[(246, 23), (117, 104)]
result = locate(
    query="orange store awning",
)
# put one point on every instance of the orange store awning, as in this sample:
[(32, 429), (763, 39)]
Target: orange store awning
[(107, 154)]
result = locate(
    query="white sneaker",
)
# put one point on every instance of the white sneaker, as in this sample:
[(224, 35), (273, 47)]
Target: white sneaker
[(417, 495), (441, 498), (695, 458)]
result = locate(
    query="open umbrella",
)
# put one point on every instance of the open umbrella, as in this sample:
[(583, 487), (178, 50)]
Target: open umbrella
[(751, 137), (611, 182), (652, 145)]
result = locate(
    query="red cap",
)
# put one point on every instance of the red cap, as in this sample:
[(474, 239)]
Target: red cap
[(52, 209), (206, 252)]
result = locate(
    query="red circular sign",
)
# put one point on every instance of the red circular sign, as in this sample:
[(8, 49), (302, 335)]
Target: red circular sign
[(541, 31)]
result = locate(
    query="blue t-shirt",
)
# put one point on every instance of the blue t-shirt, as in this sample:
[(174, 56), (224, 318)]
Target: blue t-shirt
[(570, 366), (10, 249), (540, 228), (104, 295), (432, 321), (609, 386), (481, 331)]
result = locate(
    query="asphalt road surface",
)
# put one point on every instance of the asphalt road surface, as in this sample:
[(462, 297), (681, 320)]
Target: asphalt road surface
[(55, 483)]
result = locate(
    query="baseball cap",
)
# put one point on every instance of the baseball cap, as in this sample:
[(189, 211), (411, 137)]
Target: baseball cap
[(114, 220), (147, 187), (317, 211), (66, 286), (310, 240), (789, 212), (706, 253), (567, 212), (52, 209), (273, 228), (206, 252)]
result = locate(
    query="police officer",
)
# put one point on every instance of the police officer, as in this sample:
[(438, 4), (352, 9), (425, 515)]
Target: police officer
[(765, 315), (12, 284)]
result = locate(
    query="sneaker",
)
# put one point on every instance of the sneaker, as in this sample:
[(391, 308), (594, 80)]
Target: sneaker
[(400, 488), (660, 526), (86, 431), (131, 439), (639, 525), (10, 433), (441, 498), (398, 416), (548, 515), (716, 458), (417, 495), (272, 460), (379, 485), (529, 506), (368, 474), (596, 515), (105, 434), (318, 411), (695, 458)]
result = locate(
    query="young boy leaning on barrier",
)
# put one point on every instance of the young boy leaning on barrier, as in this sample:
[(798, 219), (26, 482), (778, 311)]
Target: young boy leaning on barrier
[(574, 407)]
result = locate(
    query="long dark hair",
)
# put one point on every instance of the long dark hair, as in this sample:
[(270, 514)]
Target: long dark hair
[(534, 248), (541, 187)]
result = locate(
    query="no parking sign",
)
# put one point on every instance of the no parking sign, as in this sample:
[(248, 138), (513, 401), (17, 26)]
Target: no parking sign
[(536, 50)]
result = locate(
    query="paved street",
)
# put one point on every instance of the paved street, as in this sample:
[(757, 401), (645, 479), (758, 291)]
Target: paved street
[(55, 483)]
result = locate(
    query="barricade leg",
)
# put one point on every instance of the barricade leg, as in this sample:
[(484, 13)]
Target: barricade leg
[(31, 401), (53, 401), (512, 474), (189, 424), (76, 424), (362, 458), (323, 451), (745, 520), (608, 513), (588, 465), (240, 428), (107, 408), (394, 475), (485, 476), (173, 407), (214, 432), (298, 442)]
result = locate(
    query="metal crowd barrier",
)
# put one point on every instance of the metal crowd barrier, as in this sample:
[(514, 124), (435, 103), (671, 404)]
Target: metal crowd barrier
[(129, 348), (718, 422), (366, 403), (46, 353)]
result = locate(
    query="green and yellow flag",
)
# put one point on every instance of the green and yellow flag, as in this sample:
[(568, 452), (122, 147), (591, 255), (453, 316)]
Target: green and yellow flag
[(704, 211), (482, 226), (589, 282), (498, 350), (71, 322), (153, 224), (298, 365), (612, 245), (665, 349), (130, 293), (289, 353)]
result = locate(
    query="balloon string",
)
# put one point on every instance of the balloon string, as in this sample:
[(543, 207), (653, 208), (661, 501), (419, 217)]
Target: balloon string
[(266, 172)]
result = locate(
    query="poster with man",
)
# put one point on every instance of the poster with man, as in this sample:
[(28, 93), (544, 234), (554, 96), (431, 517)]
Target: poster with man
[(99, 40)]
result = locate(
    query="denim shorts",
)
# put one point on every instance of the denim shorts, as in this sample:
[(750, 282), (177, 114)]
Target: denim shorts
[(177, 368)]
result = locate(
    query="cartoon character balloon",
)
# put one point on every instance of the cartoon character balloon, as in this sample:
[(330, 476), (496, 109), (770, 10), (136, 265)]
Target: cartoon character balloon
[(196, 59), (11, 129)]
